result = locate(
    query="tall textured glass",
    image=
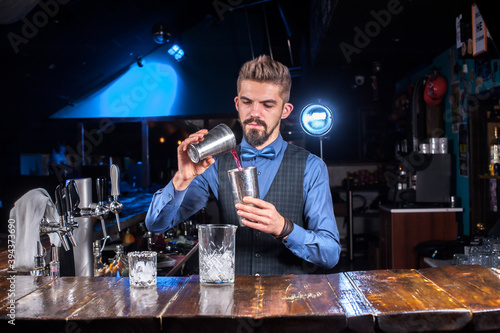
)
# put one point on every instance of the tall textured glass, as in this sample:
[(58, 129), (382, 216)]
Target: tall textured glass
[(216, 253)]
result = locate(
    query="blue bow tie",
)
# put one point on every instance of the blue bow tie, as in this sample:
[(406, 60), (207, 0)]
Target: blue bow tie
[(248, 154)]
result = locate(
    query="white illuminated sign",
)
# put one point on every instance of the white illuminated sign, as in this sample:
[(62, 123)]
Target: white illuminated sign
[(479, 32), (316, 119)]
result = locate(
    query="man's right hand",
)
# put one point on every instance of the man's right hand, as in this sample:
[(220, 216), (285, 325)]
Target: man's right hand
[(188, 170)]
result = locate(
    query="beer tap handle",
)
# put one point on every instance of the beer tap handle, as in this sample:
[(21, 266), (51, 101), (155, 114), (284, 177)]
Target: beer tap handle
[(64, 207), (67, 202), (101, 192), (73, 197), (61, 210), (101, 189), (72, 200), (115, 206), (67, 208), (58, 196), (114, 174)]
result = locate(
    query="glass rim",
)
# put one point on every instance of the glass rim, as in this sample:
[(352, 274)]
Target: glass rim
[(217, 225), (242, 169), (142, 253)]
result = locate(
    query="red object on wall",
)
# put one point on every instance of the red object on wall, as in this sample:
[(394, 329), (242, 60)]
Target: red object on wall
[(435, 89)]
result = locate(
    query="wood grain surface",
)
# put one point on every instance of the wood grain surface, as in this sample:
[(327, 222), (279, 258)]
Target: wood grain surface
[(360, 317), (450, 298), (405, 301), (19, 286), (476, 287), (214, 308), (292, 302)]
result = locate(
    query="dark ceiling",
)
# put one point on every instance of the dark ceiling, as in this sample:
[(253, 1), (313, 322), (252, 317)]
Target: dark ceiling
[(62, 50)]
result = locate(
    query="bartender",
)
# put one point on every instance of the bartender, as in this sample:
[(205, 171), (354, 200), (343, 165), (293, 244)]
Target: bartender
[(291, 229)]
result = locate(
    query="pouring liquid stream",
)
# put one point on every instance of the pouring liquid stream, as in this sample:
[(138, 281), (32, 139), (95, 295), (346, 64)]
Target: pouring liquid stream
[(236, 159)]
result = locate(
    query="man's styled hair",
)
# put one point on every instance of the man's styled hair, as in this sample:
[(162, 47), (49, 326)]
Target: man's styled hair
[(266, 70)]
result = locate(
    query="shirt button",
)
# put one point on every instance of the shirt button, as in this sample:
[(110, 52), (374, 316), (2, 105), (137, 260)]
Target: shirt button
[(258, 173), (257, 274), (257, 255)]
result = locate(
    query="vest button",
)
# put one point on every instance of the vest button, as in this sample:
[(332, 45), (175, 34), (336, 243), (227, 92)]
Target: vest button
[(257, 255), (258, 233)]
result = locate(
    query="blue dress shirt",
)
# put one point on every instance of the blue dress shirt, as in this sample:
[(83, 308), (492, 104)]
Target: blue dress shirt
[(319, 243)]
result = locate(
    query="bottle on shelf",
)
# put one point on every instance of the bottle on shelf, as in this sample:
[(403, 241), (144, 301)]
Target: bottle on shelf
[(128, 238), (119, 264), (494, 152)]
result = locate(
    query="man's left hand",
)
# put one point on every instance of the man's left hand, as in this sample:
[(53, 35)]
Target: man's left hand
[(262, 216)]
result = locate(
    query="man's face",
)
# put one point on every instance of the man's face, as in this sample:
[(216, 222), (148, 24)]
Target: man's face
[(261, 109)]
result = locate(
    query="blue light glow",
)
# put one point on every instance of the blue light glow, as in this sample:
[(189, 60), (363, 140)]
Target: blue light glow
[(316, 119), (147, 91)]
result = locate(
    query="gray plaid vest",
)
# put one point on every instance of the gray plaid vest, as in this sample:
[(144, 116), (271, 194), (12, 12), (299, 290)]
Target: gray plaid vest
[(258, 252)]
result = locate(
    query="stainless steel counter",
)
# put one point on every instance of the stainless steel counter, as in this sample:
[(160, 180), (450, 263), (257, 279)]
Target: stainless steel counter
[(420, 209)]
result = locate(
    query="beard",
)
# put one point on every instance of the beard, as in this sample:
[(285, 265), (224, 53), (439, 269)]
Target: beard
[(254, 136)]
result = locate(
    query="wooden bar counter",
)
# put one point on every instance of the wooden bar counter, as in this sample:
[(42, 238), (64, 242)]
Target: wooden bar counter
[(453, 298)]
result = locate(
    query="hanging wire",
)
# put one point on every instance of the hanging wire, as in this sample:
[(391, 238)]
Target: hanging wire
[(267, 32), (288, 33), (249, 33)]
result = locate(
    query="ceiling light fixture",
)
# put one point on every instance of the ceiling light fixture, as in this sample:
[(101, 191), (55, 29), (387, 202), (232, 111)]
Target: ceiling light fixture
[(176, 52), (161, 33)]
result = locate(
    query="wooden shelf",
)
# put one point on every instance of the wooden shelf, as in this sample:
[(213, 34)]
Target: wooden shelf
[(489, 177)]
